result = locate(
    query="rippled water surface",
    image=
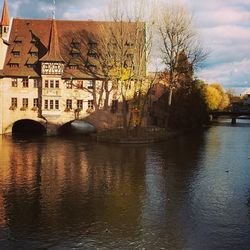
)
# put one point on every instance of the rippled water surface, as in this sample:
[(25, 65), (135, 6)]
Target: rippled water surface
[(189, 193)]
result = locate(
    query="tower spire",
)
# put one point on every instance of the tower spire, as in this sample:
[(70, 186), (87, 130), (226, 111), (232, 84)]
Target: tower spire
[(53, 53), (5, 21)]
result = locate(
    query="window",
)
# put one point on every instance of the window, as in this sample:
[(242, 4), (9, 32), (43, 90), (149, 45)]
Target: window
[(57, 84), (46, 83), (79, 84), (75, 54), (90, 84), (56, 104), (25, 102), (25, 82), (16, 53), (35, 103), (79, 104), (90, 104), (51, 84), (92, 45), (46, 104), (36, 83), (92, 53), (69, 104), (51, 104), (13, 102), (35, 54), (91, 67), (69, 84), (73, 66), (14, 65), (31, 65), (46, 66), (14, 82)]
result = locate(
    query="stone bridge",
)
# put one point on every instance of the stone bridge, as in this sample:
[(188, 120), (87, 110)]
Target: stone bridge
[(233, 115), (50, 124)]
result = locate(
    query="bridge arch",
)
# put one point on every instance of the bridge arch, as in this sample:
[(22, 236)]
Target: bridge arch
[(27, 127), (76, 126)]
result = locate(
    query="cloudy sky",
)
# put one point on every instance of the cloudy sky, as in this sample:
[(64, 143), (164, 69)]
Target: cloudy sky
[(224, 26)]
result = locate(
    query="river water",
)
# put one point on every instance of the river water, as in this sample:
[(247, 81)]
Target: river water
[(69, 193)]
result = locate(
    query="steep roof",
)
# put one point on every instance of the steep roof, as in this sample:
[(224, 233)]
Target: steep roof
[(5, 21), (55, 41), (53, 54)]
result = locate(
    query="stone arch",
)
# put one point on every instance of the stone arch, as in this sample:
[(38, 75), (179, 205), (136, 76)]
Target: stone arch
[(27, 126), (77, 126)]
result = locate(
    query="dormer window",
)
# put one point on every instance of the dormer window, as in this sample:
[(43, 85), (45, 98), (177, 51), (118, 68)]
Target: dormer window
[(33, 51), (90, 66), (16, 53), (18, 39), (35, 54), (92, 44), (73, 66), (14, 65), (93, 54), (75, 44), (31, 62), (31, 65), (17, 48), (73, 63), (14, 62), (75, 52)]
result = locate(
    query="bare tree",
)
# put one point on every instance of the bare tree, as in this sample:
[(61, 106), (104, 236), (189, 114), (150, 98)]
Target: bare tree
[(124, 51), (177, 37)]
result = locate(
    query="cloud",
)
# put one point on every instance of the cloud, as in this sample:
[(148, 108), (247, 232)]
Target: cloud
[(91, 13), (232, 74)]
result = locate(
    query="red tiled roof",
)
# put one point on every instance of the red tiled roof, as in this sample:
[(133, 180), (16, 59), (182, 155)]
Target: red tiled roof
[(5, 21), (43, 34)]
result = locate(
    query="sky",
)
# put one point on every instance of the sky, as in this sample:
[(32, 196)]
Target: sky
[(224, 27)]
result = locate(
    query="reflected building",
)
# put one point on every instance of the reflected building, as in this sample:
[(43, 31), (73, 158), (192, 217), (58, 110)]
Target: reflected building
[(78, 188)]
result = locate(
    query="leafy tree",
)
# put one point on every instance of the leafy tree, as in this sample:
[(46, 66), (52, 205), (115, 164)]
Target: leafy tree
[(213, 97), (216, 97)]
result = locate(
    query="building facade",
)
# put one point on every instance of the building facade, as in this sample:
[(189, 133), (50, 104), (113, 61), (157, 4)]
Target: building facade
[(42, 74)]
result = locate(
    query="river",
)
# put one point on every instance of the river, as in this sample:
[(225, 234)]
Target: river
[(69, 193)]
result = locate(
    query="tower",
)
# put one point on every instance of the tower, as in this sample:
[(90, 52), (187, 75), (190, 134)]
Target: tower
[(5, 21), (52, 61), (4, 30)]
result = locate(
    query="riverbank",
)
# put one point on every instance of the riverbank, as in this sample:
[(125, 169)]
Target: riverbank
[(138, 136)]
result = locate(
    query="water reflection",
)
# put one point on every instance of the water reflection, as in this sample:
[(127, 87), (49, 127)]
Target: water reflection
[(188, 193), (59, 187)]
